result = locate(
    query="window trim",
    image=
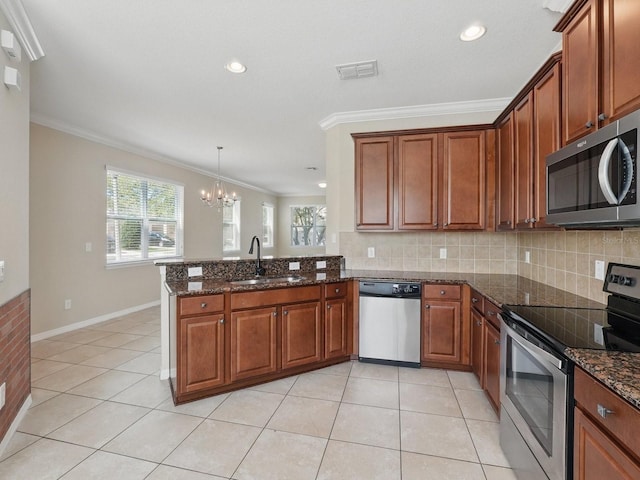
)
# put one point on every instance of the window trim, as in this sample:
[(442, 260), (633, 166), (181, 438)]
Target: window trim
[(179, 240), (315, 205), (272, 244)]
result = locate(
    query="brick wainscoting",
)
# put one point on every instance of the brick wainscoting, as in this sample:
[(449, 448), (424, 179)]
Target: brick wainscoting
[(15, 356)]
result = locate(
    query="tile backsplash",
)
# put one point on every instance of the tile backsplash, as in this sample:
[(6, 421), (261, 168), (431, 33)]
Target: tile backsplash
[(563, 259)]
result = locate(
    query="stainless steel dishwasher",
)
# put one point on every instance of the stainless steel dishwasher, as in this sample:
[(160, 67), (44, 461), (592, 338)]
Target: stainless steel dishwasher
[(389, 323)]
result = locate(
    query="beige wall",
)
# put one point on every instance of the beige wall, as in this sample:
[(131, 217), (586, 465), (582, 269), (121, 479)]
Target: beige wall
[(14, 179), (283, 216), (68, 209)]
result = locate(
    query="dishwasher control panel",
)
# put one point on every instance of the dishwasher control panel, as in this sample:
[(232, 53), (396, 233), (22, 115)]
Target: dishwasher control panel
[(378, 288)]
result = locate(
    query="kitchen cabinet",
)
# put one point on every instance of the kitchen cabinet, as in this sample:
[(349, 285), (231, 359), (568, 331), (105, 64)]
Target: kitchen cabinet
[(485, 346), (505, 175), (423, 180), (200, 342), (606, 443), (601, 79), (301, 334), (445, 330), (527, 133), (336, 321), (253, 342)]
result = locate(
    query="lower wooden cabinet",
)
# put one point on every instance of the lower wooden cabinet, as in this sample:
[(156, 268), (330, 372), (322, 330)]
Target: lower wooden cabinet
[(335, 328), (491, 373), (253, 342), (301, 334), (201, 352), (606, 442)]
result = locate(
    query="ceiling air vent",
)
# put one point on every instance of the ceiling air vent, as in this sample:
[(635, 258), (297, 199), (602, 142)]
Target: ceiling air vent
[(357, 70)]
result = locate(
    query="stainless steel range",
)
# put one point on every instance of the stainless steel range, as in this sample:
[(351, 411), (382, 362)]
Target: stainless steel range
[(536, 382)]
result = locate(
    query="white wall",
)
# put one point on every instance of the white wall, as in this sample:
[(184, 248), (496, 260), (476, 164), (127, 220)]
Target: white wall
[(14, 179), (68, 203)]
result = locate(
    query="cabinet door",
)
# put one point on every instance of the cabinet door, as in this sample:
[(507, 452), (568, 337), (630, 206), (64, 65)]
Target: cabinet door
[(374, 183), (506, 178), (253, 342), (523, 130), (463, 193), (441, 332), (301, 334), (580, 73), (335, 328), (546, 128), (477, 345), (621, 68), (597, 457), (492, 364), (201, 353), (417, 182)]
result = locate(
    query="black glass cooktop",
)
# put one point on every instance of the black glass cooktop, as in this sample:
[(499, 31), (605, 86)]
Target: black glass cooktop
[(579, 327)]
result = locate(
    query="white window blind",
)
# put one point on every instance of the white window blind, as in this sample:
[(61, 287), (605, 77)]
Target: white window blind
[(308, 225), (144, 218), (267, 225), (231, 227)]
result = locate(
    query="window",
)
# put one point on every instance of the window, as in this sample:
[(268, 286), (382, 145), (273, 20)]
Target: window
[(267, 225), (308, 225), (144, 218), (231, 227)]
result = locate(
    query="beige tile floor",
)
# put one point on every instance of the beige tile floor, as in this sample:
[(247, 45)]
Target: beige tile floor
[(100, 411)]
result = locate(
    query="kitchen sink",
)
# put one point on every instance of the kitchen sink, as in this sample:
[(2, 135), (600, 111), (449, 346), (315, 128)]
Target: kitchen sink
[(263, 280)]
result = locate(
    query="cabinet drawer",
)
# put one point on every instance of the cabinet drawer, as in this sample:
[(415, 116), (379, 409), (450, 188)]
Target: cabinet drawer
[(335, 290), (276, 296), (491, 313), (623, 423), (450, 292), (194, 305), (477, 301)]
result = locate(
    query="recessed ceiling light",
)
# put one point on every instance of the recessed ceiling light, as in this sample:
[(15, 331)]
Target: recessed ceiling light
[(322, 184), (472, 32), (235, 67)]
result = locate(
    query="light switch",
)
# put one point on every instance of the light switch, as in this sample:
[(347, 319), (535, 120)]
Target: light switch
[(371, 252), (443, 253), (599, 270), (1, 270)]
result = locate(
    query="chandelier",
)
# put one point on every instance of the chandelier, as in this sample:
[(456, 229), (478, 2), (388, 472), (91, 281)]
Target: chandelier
[(218, 196)]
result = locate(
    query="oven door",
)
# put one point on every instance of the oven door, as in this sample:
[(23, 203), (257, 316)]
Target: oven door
[(533, 391)]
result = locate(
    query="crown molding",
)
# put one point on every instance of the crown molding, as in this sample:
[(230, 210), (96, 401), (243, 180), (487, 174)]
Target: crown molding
[(125, 147), (436, 109), (22, 28)]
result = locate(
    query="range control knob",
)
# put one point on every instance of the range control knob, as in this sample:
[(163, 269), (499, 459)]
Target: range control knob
[(626, 281), (613, 278)]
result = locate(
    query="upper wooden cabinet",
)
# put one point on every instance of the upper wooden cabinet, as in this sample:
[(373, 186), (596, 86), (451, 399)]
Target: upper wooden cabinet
[(423, 180), (601, 77), (526, 133)]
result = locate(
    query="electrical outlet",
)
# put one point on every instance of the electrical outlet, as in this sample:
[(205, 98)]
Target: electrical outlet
[(321, 264), (598, 335), (443, 253), (527, 256), (371, 252), (195, 271), (88, 246), (67, 304), (294, 265), (3, 394), (599, 270)]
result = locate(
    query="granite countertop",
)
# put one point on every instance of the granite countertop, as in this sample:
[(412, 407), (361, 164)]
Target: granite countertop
[(620, 371)]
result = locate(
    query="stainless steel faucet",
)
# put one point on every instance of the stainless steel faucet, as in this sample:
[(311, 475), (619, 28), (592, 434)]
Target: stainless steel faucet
[(259, 269)]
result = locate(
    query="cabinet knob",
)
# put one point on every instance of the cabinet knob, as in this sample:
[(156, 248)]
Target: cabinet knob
[(427, 306), (602, 117), (328, 307), (446, 224), (286, 312), (442, 292), (435, 224), (491, 313), (221, 320), (589, 124), (508, 222), (474, 300), (496, 341), (275, 314), (337, 290), (526, 220), (479, 323), (203, 305), (533, 220), (604, 411)]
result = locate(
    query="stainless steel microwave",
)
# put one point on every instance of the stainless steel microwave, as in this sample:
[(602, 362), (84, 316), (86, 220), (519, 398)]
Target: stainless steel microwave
[(593, 181)]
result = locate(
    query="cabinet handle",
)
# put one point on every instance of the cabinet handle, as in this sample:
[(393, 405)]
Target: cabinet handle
[(221, 320), (286, 312), (275, 314), (435, 224), (427, 306), (442, 292), (474, 300), (446, 224), (604, 411), (526, 220), (533, 220), (602, 117), (337, 290), (328, 307), (589, 124), (203, 305), (479, 323)]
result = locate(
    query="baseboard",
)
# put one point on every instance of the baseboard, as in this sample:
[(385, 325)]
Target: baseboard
[(14, 425), (91, 321)]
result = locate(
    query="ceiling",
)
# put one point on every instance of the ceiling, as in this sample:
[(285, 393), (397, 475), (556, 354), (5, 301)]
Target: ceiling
[(148, 76)]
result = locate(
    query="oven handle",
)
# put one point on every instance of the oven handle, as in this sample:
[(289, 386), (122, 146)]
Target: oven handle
[(537, 352)]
